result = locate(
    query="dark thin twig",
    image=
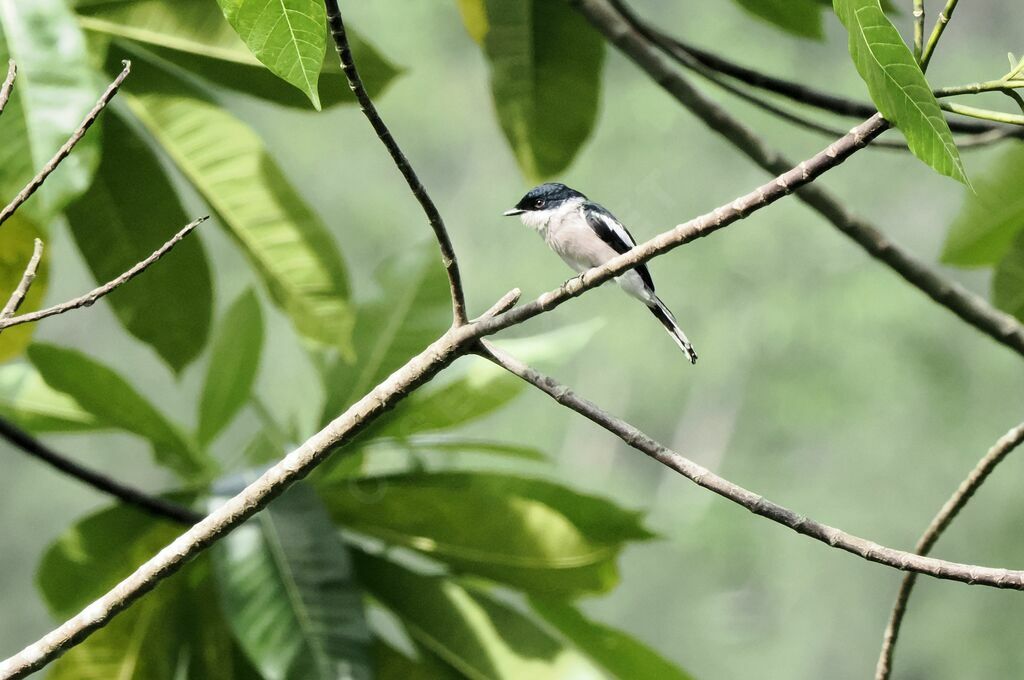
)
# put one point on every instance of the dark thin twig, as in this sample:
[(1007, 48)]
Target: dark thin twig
[(95, 294), (8, 86), (355, 83), (1002, 448), (64, 150), (18, 296), (152, 505)]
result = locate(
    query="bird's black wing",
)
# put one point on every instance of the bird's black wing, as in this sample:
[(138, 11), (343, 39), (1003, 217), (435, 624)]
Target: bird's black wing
[(612, 232)]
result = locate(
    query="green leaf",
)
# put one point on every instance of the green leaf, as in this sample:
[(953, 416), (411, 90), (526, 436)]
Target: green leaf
[(390, 664), (289, 593), (286, 35), (28, 401), (799, 17), (17, 242), (897, 85), (54, 90), (621, 655), (194, 35), (479, 636), (115, 403), (119, 222), (234, 360), (225, 161), (545, 78), (991, 216), (425, 444), (528, 533), (474, 18), (887, 6), (1008, 281)]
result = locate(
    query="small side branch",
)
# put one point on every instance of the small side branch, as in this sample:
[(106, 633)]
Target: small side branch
[(940, 26), (92, 296), (1002, 448), (918, 29), (65, 150), (18, 296), (153, 505), (355, 83), (8, 85)]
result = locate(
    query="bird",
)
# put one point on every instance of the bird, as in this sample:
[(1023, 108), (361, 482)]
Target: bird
[(585, 235)]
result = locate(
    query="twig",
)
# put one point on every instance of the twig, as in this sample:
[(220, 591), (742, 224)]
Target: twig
[(918, 29), (940, 26), (869, 550), (64, 150), (971, 308), (983, 114), (5, 89), (1002, 448), (505, 303), (355, 83), (153, 505), (92, 296), (18, 296)]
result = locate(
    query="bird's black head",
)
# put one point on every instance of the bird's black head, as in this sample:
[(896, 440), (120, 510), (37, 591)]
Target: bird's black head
[(544, 197)]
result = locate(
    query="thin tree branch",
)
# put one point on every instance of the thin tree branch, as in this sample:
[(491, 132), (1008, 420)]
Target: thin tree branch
[(92, 296), (1002, 448), (64, 150), (8, 85), (918, 29), (152, 505), (505, 303), (983, 114), (355, 83), (940, 26), (18, 296), (643, 51)]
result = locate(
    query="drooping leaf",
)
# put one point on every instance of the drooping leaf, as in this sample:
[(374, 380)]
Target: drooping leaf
[(545, 77), (54, 90), (619, 654), (991, 216), (28, 401), (528, 533), (120, 221), (799, 17), (477, 635), (234, 361), (17, 242), (286, 35), (392, 664), (1008, 281), (289, 592), (113, 402), (898, 87), (194, 35), (225, 160)]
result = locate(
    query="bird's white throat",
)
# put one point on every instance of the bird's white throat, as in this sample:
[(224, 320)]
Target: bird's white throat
[(542, 219)]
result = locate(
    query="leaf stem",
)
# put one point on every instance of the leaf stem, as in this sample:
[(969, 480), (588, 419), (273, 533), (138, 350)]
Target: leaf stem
[(983, 114), (918, 29), (940, 26), (977, 88)]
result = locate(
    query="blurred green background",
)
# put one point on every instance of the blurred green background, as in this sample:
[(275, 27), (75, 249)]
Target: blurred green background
[(825, 382)]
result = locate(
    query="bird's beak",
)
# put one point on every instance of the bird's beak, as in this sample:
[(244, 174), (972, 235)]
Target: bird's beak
[(513, 212)]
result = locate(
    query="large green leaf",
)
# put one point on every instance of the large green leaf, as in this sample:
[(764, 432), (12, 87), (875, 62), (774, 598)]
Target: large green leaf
[(991, 216), (621, 655), (27, 400), (1008, 281), (120, 221), (227, 163), (234, 361), (545, 77), (286, 35), (529, 533), (390, 664), (289, 593), (195, 35), (107, 396), (897, 85), (17, 242), (54, 90), (799, 17), (479, 636)]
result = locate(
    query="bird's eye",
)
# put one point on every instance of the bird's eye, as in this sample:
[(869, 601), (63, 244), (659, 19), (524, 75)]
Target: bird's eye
[(539, 203)]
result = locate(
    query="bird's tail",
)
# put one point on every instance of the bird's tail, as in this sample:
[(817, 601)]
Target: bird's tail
[(667, 320)]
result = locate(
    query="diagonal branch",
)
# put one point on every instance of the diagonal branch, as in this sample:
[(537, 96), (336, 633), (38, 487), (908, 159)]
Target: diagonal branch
[(1002, 448), (645, 52), (8, 84), (153, 505), (64, 150), (92, 296), (355, 83), (873, 552), (18, 296)]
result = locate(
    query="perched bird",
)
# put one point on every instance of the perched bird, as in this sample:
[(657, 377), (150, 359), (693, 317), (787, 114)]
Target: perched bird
[(586, 235)]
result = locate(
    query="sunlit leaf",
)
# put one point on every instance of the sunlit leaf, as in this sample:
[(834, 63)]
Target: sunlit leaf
[(474, 18), (799, 17), (289, 592), (286, 35), (120, 221), (897, 85), (28, 401), (55, 89), (1008, 281), (234, 361), (991, 216), (17, 242), (107, 396)]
